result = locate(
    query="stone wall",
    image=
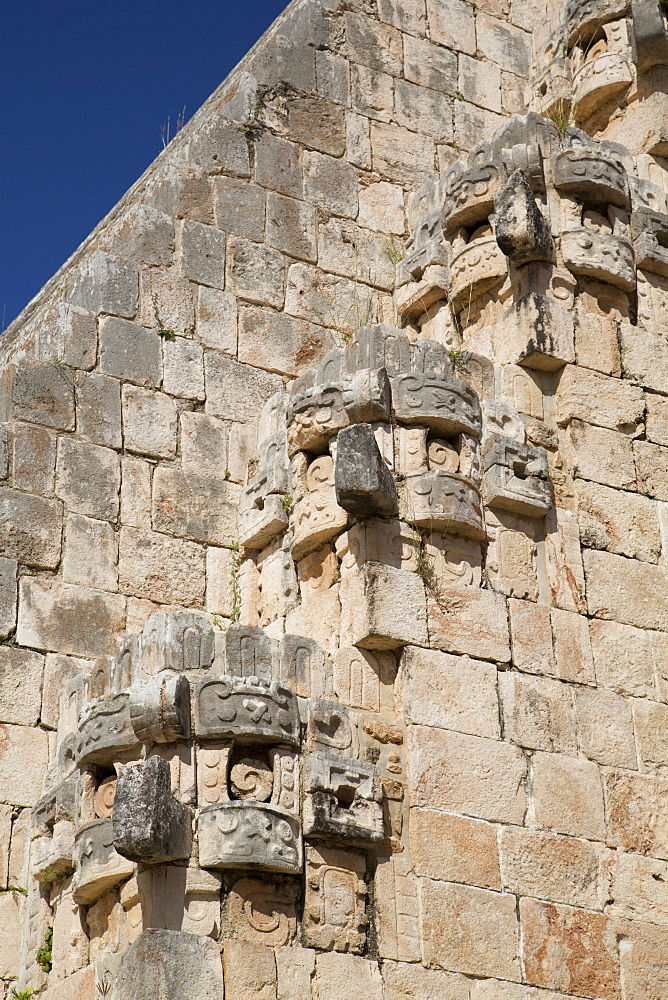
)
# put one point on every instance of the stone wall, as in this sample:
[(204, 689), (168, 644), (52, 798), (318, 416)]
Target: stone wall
[(352, 410)]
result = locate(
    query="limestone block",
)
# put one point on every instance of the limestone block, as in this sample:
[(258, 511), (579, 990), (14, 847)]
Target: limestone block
[(636, 806), (255, 272), (564, 570), (8, 595), (43, 393), (596, 343), (538, 713), (456, 30), (618, 521), (178, 641), (21, 673), (174, 963), (106, 284), (644, 356), (317, 414), (445, 502), (22, 758), (204, 445), (515, 476), (561, 869), (319, 617), (626, 658), (587, 396), (335, 902), (247, 709), (295, 969), (444, 404), (304, 666), (198, 507), (216, 319), (99, 409), (129, 351), (167, 302), (202, 253), (605, 456), (228, 837), (582, 956), (650, 718), (291, 227), (626, 590), (10, 940), (483, 89), (364, 484), (383, 608), (470, 930), (347, 978), (652, 468), (637, 887), (469, 774), (30, 528), (136, 492), (531, 636), (605, 723), (183, 368), (70, 942), (51, 856), (567, 796), (452, 692), (469, 620), (467, 850), (404, 981), (572, 648), (149, 824), (537, 332), (521, 229), (88, 478), (68, 619), (236, 391), (317, 517), (342, 799), (5, 837), (33, 458), (97, 866), (91, 553)]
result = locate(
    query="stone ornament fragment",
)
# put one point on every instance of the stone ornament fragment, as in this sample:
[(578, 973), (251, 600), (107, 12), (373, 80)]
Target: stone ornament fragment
[(150, 825), (97, 865), (170, 963), (515, 473), (521, 229), (264, 912), (445, 502), (335, 900), (239, 834), (105, 730), (442, 403), (160, 709), (342, 799), (601, 256), (245, 708), (364, 485)]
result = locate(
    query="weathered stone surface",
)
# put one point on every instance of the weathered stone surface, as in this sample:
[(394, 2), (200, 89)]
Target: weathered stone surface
[(183, 368), (295, 968), (194, 507), (88, 478), (216, 324), (521, 229), (10, 940), (582, 953), (106, 284), (23, 752), (250, 971), (538, 713), (228, 837), (30, 528), (342, 799), (453, 692), (384, 608), (278, 342), (256, 272), (129, 351), (618, 521), (229, 706), (202, 253), (561, 869), (605, 723), (588, 396), (626, 590), (455, 29), (334, 906), (331, 184), (99, 409), (465, 929), (239, 206), (475, 776), (605, 456), (467, 850), (150, 824), (567, 795), (91, 553), (364, 484), (342, 977), (156, 566), (33, 458), (68, 619), (291, 227), (572, 648), (264, 912), (652, 468), (318, 124), (469, 620), (235, 390), (43, 394), (8, 595), (170, 963), (410, 981), (626, 658), (650, 720), (21, 673)]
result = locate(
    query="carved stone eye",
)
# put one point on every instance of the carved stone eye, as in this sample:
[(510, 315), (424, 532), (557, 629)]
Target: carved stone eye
[(251, 779)]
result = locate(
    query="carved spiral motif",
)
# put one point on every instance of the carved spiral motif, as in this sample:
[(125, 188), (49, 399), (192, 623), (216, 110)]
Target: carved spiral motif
[(251, 778), (103, 800)]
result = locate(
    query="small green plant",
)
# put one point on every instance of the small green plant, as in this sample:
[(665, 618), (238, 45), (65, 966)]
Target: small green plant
[(163, 331), (393, 251), (424, 561), (562, 114), (228, 474), (235, 587), (167, 334), (25, 994), (15, 888), (458, 358), (251, 123), (9, 639), (60, 362), (286, 502), (459, 96), (44, 954), (52, 876)]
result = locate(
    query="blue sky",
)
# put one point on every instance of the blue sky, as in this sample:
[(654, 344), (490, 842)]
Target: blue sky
[(84, 90)]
